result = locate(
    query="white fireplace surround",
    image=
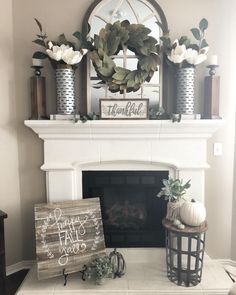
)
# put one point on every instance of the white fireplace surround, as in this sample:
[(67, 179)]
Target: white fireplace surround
[(70, 148), (180, 148)]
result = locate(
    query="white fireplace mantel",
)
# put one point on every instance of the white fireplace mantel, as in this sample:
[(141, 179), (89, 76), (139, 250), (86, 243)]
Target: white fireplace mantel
[(70, 148), (118, 129)]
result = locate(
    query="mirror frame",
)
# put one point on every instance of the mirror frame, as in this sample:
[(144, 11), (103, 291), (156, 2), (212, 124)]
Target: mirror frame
[(165, 72)]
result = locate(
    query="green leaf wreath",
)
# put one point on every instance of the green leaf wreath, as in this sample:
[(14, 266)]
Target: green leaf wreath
[(122, 36)]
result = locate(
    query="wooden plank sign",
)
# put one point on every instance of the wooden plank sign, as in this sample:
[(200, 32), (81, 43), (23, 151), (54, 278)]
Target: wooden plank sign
[(124, 109), (68, 235)]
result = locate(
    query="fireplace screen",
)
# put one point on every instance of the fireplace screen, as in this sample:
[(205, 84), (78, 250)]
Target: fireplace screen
[(131, 211)]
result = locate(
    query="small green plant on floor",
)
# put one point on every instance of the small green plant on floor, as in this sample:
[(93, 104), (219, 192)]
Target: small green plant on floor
[(100, 269)]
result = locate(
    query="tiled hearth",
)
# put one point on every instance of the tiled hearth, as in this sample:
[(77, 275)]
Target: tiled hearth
[(146, 275)]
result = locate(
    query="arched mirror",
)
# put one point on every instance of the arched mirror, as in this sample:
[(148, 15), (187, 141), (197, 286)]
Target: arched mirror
[(146, 12)]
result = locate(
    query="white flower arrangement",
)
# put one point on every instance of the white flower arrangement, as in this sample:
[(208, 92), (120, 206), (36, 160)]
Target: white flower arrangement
[(65, 53), (62, 52), (182, 52)]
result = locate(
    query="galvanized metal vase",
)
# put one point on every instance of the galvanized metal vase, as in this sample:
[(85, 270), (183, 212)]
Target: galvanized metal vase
[(65, 88), (185, 79)]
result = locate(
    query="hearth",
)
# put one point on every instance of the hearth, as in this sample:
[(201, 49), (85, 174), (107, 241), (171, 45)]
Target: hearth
[(146, 274), (131, 211)]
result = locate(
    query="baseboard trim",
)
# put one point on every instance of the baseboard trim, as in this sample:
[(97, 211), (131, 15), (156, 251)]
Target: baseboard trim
[(226, 262), (25, 264)]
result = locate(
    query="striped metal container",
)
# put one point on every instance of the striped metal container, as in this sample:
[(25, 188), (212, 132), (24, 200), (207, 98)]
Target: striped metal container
[(65, 88), (185, 80)]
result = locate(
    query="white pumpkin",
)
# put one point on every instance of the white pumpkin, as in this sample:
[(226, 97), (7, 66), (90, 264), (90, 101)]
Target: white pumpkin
[(193, 213)]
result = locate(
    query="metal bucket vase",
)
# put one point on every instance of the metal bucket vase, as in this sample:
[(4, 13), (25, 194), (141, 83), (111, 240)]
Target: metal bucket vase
[(185, 80), (65, 88)]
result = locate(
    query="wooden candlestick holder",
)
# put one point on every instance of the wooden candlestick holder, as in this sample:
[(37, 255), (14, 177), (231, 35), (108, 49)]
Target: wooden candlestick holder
[(212, 94), (38, 95)]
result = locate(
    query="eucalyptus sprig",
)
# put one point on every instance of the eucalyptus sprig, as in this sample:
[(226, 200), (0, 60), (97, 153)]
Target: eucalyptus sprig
[(40, 40), (89, 117), (173, 189), (199, 35), (156, 112), (42, 36)]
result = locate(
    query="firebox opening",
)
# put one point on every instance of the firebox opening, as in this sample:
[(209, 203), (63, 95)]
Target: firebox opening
[(132, 213)]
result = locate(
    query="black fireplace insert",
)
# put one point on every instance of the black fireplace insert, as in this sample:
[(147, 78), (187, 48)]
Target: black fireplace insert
[(131, 211)]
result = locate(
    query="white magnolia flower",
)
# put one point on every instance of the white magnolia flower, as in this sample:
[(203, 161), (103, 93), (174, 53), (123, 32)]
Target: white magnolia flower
[(194, 58), (84, 51), (56, 52), (65, 53), (50, 44), (178, 53), (72, 57)]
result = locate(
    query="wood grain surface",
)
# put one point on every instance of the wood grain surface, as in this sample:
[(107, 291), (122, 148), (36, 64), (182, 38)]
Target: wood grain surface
[(68, 235), (187, 230)]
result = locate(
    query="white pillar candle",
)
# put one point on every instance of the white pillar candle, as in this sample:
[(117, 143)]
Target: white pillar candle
[(36, 62), (213, 60)]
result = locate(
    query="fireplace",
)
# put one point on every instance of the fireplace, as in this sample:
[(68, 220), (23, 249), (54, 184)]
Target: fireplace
[(73, 149), (131, 211)]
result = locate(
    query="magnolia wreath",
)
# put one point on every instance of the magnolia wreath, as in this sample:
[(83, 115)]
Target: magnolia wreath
[(123, 36)]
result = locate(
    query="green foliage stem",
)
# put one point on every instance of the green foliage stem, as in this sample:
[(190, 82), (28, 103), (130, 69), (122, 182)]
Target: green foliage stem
[(198, 34), (82, 43), (173, 189)]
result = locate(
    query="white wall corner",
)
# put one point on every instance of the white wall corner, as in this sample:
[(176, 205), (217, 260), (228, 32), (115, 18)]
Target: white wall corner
[(24, 264), (225, 262)]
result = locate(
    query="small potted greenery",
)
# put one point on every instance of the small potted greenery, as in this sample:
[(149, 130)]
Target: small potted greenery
[(174, 191), (100, 269)]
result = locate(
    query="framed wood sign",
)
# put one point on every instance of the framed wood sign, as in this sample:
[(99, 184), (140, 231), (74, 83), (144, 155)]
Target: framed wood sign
[(124, 109), (68, 235)]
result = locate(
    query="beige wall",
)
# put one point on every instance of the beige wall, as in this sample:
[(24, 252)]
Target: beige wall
[(59, 16), (219, 178), (233, 232), (9, 180)]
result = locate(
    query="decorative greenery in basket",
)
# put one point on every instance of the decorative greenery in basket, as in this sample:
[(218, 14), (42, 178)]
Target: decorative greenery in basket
[(182, 53), (123, 36), (174, 189)]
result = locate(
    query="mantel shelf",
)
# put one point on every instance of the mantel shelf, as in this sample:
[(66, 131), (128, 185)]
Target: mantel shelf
[(121, 129)]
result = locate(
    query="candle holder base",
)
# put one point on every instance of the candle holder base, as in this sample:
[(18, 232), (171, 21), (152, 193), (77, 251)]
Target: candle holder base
[(212, 69), (37, 70)]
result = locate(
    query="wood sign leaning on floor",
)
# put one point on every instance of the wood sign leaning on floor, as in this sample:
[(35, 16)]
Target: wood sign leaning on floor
[(68, 235)]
